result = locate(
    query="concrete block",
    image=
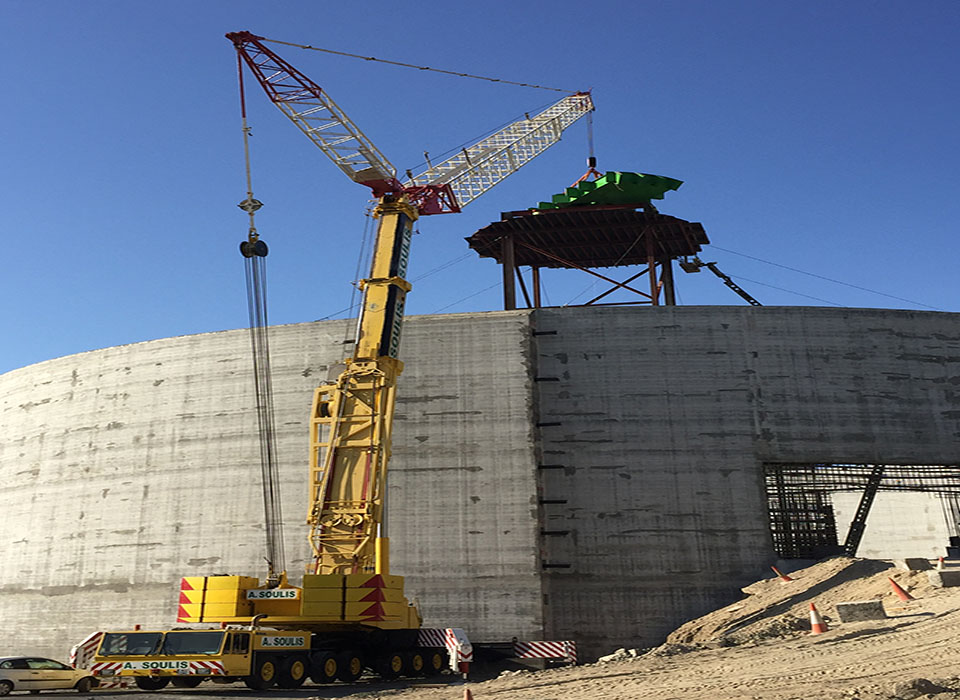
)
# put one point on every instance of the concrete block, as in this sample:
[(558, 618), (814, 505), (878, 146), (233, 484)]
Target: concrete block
[(860, 610), (913, 564), (944, 579)]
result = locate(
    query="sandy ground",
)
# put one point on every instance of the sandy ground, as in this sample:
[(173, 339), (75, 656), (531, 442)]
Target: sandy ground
[(761, 648)]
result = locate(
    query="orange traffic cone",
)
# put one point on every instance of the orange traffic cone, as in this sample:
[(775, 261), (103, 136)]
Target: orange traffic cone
[(467, 695), (940, 565), (901, 594), (783, 577), (817, 625)]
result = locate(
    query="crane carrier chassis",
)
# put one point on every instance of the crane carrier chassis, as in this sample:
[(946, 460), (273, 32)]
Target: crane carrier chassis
[(263, 658)]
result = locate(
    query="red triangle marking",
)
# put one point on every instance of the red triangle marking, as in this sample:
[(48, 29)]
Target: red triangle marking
[(375, 609), (182, 613), (184, 599), (376, 581), (375, 595), (185, 585)]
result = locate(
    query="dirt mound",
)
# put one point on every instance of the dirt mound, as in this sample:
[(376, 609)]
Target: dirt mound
[(761, 648), (774, 608)]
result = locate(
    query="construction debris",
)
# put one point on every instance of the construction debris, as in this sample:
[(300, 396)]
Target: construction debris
[(944, 579), (913, 564), (860, 610)]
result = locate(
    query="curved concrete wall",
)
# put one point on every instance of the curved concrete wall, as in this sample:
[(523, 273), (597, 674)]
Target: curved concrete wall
[(584, 473)]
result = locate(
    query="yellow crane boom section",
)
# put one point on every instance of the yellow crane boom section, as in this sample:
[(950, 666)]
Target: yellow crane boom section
[(351, 419)]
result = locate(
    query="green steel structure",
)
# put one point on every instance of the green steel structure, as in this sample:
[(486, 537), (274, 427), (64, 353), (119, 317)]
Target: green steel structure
[(614, 188)]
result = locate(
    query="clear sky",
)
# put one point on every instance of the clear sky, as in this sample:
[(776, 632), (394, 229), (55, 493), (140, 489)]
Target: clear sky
[(818, 136)]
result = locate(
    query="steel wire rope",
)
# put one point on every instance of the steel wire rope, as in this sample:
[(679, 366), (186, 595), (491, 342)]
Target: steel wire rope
[(263, 388), (362, 259), (423, 68), (788, 291), (827, 279), (463, 299), (442, 266), (254, 252), (455, 149)]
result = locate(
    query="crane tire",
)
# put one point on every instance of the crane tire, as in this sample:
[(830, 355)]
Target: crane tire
[(349, 666), (435, 662), (292, 672), (390, 665), (187, 682), (151, 683), (324, 667), (264, 674), (415, 663)]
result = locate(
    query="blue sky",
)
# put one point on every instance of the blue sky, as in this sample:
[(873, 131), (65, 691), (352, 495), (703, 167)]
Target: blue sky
[(819, 136)]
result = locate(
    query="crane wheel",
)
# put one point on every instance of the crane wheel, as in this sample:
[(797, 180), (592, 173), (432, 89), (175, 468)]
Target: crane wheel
[(292, 672), (264, 674), (436, 661), (349, 666), (390, 665), (188, 682), (150, 682), (324, 667), (415, 664)]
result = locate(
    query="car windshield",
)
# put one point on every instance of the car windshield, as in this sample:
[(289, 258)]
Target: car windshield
[(130, 643), (191, 643)]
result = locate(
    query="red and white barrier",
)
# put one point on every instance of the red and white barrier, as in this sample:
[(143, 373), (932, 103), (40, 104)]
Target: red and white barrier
[(564, 650), (454, 640), (82, 654)]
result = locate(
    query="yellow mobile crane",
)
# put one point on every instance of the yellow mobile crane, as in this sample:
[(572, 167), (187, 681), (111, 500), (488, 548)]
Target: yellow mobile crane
[(349, 613)]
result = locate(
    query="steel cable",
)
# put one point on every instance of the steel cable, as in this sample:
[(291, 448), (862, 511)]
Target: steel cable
[(254, 252), (424, 68)]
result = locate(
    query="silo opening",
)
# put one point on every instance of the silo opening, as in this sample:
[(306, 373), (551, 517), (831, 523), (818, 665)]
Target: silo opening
[(818, 510)]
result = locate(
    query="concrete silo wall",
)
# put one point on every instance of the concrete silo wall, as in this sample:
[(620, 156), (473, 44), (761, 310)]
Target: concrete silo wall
[(593, 474), (655, 425), (127, 468)]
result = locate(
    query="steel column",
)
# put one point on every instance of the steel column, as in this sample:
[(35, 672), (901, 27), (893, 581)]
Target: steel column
[(509, 274), (652, 267), (666, 275), (859, 523)]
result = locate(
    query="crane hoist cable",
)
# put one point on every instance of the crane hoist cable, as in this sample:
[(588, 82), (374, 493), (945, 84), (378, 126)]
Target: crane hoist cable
[(423, 68), (255, 252)]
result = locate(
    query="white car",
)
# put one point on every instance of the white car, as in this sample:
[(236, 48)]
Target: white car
[(35, 674)]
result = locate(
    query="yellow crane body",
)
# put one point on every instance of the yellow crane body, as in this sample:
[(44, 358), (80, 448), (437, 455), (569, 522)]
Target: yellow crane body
[(348, 581), (349, 613)]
